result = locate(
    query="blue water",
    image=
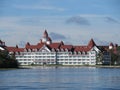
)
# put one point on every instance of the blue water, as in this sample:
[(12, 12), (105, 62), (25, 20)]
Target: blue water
[(60, 78)]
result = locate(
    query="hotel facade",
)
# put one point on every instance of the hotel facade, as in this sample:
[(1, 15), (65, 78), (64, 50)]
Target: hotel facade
[(48, 52)]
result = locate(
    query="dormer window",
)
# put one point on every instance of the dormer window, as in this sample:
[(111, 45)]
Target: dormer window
[(57, 49), (62, 49), (29, 50), (25, 50), (53, 49), (79, 52), (75, 52), (36, 50), (11, 52), (16, 53), (83, 53), (66, 50)]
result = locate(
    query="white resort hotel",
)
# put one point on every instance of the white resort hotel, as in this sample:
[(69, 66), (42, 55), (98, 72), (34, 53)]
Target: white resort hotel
[(48, 52)]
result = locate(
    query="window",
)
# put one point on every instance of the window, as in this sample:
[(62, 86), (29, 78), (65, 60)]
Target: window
[(66, 50), (79, 62), (25, 62), (66, 62), (70, 62), (29, 50), (92, 52), (29, 56), (74, 63), (79, 59), (83, 63)]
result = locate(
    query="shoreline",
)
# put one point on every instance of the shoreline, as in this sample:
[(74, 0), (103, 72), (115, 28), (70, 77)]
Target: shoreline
[(96, 66), (56, 66)]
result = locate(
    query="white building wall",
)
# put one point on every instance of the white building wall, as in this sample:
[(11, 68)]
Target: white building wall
[(28, 58), (64, 58)]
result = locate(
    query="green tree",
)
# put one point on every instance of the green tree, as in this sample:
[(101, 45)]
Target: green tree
[(99, 58), (7, 61), (115, 56)]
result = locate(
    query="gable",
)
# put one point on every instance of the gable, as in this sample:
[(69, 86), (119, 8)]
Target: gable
[(2, 48), (44, 48), (95, 49)]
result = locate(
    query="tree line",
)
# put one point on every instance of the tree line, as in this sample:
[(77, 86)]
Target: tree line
[(114, 55), (7, 61)]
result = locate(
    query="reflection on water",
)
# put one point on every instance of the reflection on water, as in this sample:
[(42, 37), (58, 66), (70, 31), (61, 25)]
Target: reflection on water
[(60, 78)]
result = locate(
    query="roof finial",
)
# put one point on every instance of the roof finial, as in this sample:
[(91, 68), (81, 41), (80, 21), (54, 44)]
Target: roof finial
[(16, 46), (45, 35)]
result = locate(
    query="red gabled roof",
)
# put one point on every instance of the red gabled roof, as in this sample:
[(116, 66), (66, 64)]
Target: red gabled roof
[(91, 43), (69, 47), (55, 45), (20, 49), (14, 49), (81, 48), (31, 47), (38, 46)]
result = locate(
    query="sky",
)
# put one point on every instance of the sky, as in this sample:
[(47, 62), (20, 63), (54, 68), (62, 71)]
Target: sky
[(71, 21)]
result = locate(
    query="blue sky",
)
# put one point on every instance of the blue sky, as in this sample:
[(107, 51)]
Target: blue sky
[(73, 21)]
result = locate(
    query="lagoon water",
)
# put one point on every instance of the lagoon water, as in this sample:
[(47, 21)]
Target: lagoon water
[(60, 78)]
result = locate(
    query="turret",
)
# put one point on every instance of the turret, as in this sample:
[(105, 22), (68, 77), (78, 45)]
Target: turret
[(115, 48), (49, 41), (45, 36), (46, 39), (111, 46)]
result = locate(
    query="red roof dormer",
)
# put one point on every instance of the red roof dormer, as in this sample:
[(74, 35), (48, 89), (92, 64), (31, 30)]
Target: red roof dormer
[(62, 43), (27, 45)]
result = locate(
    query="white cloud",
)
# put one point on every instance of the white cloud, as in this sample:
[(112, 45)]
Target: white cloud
[(39, 7), (13, 30), (111, 20), (78, 20), (92, 15)]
